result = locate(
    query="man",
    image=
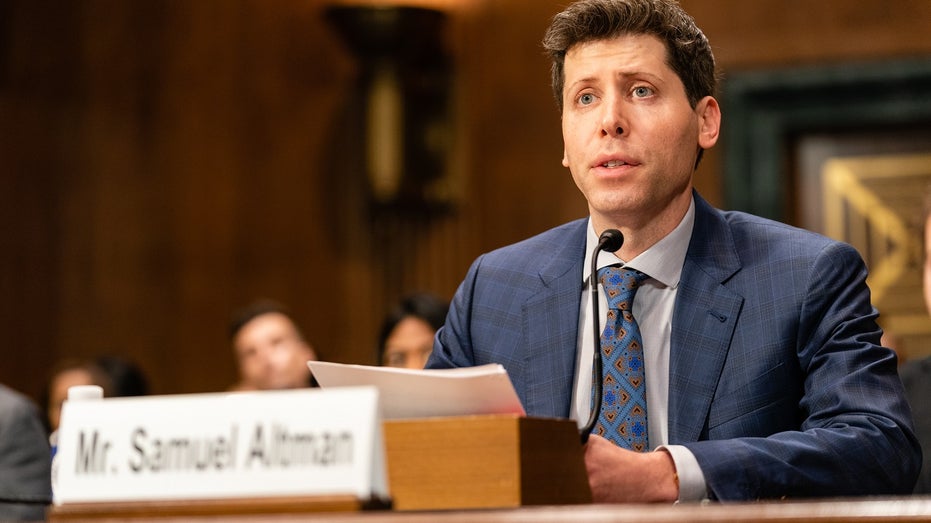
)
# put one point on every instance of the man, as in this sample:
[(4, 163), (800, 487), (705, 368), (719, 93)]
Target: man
[(25, 460), (271, 352), (763, 369)]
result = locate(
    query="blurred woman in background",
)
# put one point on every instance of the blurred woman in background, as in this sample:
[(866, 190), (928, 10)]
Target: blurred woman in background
[(406, 338)]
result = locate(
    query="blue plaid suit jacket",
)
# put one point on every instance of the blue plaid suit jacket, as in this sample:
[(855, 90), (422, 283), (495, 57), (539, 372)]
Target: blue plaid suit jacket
[(778, 384)]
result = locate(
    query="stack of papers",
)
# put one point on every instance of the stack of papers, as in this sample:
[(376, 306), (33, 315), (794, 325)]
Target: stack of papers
[(406, 393)]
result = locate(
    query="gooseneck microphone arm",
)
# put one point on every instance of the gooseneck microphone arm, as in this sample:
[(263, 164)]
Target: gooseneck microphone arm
[(610, 241)]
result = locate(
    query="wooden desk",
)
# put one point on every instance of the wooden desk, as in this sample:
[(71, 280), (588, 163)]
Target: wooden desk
[(870, 510)]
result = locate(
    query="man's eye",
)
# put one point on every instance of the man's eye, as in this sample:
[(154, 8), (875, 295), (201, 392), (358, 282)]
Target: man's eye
[(642, 92), (586, 99)]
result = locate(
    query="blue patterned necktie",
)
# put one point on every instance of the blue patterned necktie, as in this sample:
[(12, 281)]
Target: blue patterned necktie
[(623, 416)]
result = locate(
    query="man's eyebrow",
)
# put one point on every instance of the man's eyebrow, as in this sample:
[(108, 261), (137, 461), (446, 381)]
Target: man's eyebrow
[(583, 80)]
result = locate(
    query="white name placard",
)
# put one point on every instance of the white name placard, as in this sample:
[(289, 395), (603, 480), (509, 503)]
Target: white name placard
[(207, 446)]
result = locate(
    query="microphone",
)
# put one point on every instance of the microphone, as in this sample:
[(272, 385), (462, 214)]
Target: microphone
[(609, 241)]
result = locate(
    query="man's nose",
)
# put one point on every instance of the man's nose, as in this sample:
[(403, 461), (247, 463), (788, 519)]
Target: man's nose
[(612, 118)]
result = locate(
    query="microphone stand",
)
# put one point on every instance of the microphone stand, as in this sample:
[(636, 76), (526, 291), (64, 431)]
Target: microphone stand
[(610, 240)]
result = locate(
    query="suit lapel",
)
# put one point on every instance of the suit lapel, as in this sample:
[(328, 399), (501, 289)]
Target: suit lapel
[(704, 319), (551, 321)]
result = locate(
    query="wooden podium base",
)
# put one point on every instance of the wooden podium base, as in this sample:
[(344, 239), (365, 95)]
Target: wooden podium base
[(495, 461)]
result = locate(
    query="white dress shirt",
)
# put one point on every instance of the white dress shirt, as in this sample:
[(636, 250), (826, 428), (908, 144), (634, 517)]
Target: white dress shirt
[(652, 308)]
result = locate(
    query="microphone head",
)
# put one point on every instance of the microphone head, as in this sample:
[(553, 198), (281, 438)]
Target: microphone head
[(611, 240)]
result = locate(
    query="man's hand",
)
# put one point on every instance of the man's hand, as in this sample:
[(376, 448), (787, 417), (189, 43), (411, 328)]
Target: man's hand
[(618, 475)]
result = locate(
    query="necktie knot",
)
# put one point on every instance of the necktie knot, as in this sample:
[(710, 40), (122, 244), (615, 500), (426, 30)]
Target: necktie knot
[(620, 285)]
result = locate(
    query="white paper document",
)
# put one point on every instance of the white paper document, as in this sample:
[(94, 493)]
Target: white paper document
[(407, 393)]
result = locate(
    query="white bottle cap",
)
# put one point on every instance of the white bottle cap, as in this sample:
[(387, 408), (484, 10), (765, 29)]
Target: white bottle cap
[(85, 392)]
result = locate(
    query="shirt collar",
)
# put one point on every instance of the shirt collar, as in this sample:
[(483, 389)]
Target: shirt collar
[(663, 261)]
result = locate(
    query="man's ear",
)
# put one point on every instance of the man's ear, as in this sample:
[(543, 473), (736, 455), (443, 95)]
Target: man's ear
[(709, 122)]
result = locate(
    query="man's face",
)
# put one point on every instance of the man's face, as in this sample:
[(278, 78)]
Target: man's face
[(58, 391), (271, 354), (631, 137)]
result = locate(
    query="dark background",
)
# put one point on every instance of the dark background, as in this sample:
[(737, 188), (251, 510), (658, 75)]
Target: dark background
[(165, 162)]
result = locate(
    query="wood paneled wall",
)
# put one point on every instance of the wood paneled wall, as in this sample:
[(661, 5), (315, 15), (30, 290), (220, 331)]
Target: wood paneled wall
[(165, 162)]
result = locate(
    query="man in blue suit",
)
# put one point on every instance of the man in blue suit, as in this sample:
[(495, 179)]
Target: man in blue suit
[(764, 373)]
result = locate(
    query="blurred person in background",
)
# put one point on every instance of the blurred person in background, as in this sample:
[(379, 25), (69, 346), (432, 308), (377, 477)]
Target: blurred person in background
[(271, 351), (118, 376), (407, 332)]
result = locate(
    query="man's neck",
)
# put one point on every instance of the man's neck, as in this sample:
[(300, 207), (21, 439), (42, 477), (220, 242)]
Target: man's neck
[(641, 234)]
